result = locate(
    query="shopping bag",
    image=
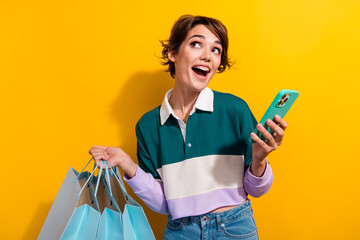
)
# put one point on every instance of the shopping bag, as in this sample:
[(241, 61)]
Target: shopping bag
[(135, 223), (74, 213), (122, 217), (110, 223)]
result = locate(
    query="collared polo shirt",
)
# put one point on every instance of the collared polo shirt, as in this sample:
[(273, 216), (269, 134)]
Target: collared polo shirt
[(203, 168), (204, 102)]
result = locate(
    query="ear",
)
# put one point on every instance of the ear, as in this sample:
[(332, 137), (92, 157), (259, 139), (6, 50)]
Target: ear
[(171, 55)]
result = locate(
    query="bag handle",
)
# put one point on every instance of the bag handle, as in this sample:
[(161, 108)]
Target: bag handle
[(91, 176), (121, 185), (99, 176), (123, 189), (107, 178), (77, 177)]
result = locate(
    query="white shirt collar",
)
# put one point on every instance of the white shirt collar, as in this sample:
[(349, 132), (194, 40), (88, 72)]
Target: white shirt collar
[(205, 102)]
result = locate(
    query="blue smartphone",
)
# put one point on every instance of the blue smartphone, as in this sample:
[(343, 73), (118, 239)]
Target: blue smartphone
[(280, 106)]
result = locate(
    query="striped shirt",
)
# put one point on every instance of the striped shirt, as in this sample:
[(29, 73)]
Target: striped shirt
[(191, 169)]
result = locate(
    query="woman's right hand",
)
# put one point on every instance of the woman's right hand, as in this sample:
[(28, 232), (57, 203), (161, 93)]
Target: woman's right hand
[(115, 157)]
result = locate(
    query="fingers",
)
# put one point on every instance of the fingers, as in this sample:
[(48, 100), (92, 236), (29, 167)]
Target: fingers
[(263, 144), (99, 147), (281, 121), (96, 148), (99, 153), (262, 148), (278, 131), (279, 128), (270, 141)]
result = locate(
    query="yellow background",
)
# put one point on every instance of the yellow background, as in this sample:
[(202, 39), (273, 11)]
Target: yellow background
[(78, 73)]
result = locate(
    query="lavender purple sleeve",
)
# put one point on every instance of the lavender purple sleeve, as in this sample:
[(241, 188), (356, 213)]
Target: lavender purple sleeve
[(149, 190), (258, 186)]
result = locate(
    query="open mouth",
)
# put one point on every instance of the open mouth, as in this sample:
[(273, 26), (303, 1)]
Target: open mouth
[(201, 70)]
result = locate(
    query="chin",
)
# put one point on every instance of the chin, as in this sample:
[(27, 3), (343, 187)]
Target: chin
[(201, 84), (199, 87)]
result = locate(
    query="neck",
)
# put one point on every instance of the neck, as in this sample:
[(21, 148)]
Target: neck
[(182, 101)]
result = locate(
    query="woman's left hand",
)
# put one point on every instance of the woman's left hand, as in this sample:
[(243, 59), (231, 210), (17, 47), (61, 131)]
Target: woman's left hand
[(262, 149)]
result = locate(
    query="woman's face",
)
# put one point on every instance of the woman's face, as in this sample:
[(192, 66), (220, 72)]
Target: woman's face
[(197, 60)]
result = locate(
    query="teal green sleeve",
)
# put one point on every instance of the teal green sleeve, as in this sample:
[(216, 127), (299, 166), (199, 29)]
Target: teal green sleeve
[(247, 125), (143, 155)]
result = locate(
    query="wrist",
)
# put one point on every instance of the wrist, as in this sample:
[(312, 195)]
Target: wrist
[(259, 161), (258, 167), (128, 166), (131, 171)]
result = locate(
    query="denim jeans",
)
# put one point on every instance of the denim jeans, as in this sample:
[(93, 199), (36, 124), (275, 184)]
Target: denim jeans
[(236, 223)]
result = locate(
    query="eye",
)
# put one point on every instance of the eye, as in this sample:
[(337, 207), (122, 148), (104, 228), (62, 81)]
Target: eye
[(195, 44), (217, 51)]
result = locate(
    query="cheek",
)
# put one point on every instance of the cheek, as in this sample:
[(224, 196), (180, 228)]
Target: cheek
[(217, 64), (180, 67)]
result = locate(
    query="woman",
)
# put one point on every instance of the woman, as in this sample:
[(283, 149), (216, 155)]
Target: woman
[(196, 162)]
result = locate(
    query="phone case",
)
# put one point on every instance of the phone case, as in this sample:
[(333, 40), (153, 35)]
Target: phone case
[(280, 106)]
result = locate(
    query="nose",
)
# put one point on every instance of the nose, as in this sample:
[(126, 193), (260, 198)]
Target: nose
[(205, 56)]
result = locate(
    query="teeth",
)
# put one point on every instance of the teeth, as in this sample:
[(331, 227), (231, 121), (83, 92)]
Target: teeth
[(206, 69)]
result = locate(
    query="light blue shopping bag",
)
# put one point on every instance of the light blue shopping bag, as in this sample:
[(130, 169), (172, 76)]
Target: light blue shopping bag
[(122, 217), (74, 213), (110, 223)]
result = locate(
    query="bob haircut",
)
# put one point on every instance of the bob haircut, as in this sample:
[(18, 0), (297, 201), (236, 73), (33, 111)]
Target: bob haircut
[(179, 32)]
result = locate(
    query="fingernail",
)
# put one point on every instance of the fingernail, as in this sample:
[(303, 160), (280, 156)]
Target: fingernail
[(268, 122), (259, 126)]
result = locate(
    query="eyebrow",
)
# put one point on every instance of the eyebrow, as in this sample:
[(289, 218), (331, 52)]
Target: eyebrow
[(201, 36)]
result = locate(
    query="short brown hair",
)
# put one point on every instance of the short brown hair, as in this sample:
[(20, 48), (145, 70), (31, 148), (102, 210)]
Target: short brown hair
[(179, 32)]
